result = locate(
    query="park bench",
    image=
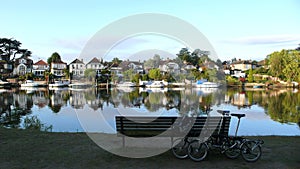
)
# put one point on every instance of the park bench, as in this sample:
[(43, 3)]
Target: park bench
[(145, 126)]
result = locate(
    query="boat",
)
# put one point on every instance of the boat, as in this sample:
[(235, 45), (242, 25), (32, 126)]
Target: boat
[(4, 84), (59, 83), (155, 84), (206, 84), (30, 83), (257, 86), (126, 84)]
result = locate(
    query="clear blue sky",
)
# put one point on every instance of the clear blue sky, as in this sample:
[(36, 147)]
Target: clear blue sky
[(242, 29)]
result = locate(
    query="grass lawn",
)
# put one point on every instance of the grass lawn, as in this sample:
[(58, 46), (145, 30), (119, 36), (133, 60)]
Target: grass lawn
[(34, 149)]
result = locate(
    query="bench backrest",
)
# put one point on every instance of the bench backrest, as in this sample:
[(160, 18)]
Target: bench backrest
[(171, 126)]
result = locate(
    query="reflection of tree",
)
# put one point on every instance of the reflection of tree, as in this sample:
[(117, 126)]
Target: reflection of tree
[(285, 107), (154, 101), (12, 108), (281, 105)]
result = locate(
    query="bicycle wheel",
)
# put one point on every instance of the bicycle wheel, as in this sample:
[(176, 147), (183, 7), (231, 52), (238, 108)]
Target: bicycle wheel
[(180, 148), (251, 151), (233, 150), (197, 151)]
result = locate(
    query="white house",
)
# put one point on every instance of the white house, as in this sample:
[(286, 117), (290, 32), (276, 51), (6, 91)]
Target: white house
[(96, 65), (22, 65), (57, 68), (169, 66), (77, 68)]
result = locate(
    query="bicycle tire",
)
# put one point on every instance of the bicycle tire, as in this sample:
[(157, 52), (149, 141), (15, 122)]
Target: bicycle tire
[(250, 151), (197, 150), (180, 148), (233, 150)]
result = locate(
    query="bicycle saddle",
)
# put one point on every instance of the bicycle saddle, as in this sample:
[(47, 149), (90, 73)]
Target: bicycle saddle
[(238, 115)]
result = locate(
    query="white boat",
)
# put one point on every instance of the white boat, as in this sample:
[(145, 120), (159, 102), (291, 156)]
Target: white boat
[(126, 84), (60, 83), (205, 84), (30, 83), (4, 84), (155, 84)]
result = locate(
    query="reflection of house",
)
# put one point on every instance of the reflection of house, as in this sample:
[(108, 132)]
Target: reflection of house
[(22, 65), (169, 66), (240, 100), (137, 67), (39, 68), (57, 68), (39, 98), (95, 64), (77, 68), (57, 98), (77, 99), (23, 101)]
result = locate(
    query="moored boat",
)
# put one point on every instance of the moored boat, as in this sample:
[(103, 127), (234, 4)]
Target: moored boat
[(60, 83), (155, 84), (30, 83), (206, 84)]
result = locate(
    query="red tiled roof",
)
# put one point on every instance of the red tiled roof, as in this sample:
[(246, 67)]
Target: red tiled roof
[(40, 62)]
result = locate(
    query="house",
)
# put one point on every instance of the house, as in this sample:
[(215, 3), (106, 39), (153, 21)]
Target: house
[(136, 66), (77, 68), (22, 65), (95, 64), (242, 65), (169, 66), (58, 68), (116, 70), (209, 65), (39, 68)]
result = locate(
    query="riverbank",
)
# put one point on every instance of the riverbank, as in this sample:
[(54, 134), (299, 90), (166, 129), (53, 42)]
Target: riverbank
[(34, 149)]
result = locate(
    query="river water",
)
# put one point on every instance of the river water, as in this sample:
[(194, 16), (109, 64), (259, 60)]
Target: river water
[(268, 112)]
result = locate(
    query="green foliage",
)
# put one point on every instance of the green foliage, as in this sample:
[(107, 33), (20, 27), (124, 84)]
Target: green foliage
[(128, 75), (136, 78), (250, 76), (154, 62), (116, 60), (90, 74), (145, 77), (154, 74), (185, 55), (55, 57), (285, 64), (34, 123)]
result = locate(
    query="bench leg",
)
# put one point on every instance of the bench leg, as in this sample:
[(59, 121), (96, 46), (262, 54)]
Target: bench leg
[(123, 141)]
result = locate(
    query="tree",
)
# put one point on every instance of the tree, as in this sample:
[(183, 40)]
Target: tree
[(285, 64), (128, 75), (275, 61), (250, 76), (155, 74), (90, 74), (116, 61), (55, 57), (154, 62), (185, 55), (8, 48)]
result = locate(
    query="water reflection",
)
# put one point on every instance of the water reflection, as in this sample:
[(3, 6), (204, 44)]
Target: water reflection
[(280, 105)]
